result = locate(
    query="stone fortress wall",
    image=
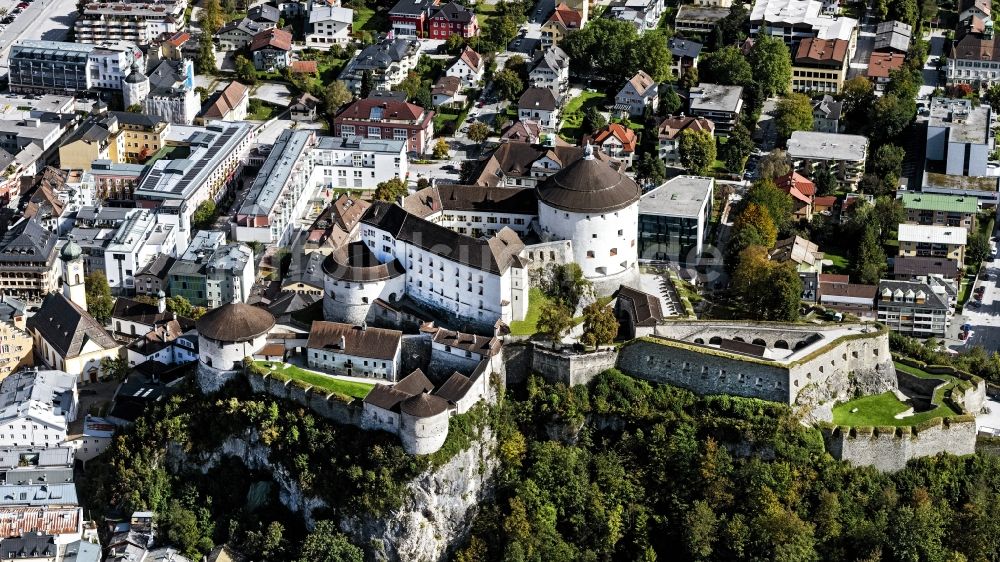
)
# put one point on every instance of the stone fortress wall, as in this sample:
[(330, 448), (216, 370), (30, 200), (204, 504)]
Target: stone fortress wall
[(890, 448)]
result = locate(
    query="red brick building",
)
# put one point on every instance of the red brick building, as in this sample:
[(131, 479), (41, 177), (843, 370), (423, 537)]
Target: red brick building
[(452, 19), (382, 118)]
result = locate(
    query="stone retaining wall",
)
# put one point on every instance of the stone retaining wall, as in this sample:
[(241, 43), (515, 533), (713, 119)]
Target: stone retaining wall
[(889, 449), (325, 404), (571, 368)]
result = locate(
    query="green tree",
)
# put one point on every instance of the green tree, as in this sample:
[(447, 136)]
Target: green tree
[(887, 214), (771, 64), (205, 61), (650, 170), (441, 148), (689, 79), (390, 190), (992, 97), (367, 83), (725, 66), (507, 84), (204, 216), (478, 132), (565, 284), (603, 47), (670, 102), (767, 290), (700, 530), (978, 249), (554, 320), (599, 325), (753, 226), (337, 95), (182, 529), (870, 263), (793, 113), (246, 72), (180, 306), (114, 367), (738, 148), (857, 95), (774, 164), (99, 301), (651, 54), (885, 167), (697, 151), (778, 204), (593, 120), (269, 542), (409, 86), (455, 43), (825, 180), (134, 108), (210, 17), (326, 544)]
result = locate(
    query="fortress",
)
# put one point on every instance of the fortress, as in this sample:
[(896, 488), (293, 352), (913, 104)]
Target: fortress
[(811, 366)]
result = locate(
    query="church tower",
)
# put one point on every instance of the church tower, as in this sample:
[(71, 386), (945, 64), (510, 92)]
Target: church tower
[(72, 274)]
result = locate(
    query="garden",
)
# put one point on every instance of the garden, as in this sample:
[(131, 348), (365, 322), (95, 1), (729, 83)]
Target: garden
[(881, 410), (319, 380)]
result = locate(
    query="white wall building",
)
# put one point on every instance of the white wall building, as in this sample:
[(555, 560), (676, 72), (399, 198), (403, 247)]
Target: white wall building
[(138, 240), (328, 25), (137, 22), (959, 134), (354, 351), (36, 407)]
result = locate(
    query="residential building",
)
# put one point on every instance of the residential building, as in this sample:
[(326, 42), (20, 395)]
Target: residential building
[(685, 55), (452, 19), (171, 95), (387, 118), (523, 132), (893, 37), (237, 34), (36, 408), (928, 240), (698, 19), (673, 219), (795, 20), (387, 63), (820, 65), (328, 25), (475, 210), (304, 107), (142, 135), (172, 48), (356, 163), (639, 93), (669, 131), (644, 15), (137, 22), (354, 351), (134, 244), (880, 68), (805, 257), (95, 139), (212, 277), (29, 268), (838, 293), (66, 336), (801, 190), (38, 133), (227, 104), (271, 50), (113, 181), (168, 342), (913, 268), (520, 164), (551, 71), (408, 18), (208, 172), (959, 136), (617, 141), (969, 9), (844, 154), (562, 21), (912, 308), (826, 115), (155, 276), (40, 67), (985, 189), (447, 92), (15, 344), (717, 103), (940, 210), (265, 15), (540, 105), (468, 67)]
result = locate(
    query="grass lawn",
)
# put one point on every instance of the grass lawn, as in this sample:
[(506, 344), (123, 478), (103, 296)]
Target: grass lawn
[(839, 263), (319, 380), (368, 19), (573, 114), (262, 112), (527, 326), (881, 409)]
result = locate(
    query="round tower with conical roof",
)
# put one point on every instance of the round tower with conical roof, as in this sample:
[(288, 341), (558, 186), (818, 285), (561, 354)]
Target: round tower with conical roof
[(135, 87)]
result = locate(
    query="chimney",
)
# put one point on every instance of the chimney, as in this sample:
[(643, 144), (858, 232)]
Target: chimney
[(161, 303), (343, 343), (364, 326)]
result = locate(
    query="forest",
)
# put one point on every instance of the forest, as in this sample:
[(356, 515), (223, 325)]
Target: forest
[(618, 470)]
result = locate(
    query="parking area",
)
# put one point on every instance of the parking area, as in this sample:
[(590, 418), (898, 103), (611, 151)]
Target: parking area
[(37, 19)]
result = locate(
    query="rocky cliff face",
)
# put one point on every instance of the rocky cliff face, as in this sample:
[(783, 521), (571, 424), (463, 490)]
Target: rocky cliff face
[(436, 514)]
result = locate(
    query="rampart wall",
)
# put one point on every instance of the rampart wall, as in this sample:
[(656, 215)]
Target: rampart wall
[(571, 368), (888, 449)]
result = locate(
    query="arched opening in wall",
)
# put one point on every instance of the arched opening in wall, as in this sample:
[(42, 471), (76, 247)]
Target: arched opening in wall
[(715, 340), (77, 279), (392, 297), (208, 361), (781, 344), (800, 344), (737, 338), (760, 342), (699, 341)]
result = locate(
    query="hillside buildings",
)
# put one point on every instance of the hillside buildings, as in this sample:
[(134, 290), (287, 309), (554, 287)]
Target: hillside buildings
[(354, 351)]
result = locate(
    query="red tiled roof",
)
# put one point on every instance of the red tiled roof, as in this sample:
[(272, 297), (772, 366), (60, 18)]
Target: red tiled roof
[(624, 135), (304, 67), (275, 38), (471, 58), (226, 101), (568, 17), (391, 109), (179, 38), (825, 201), (797, 186), (672, 126), (880, 64), (824, 52)]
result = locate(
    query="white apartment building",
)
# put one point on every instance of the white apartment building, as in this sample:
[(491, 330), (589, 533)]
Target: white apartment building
[(58, 67), (211, 167), (552, 70), (301, 168), (328, 25), (354, 351), (794, 20), (845, 154), (133, 21), (138, 240), (36, 407)]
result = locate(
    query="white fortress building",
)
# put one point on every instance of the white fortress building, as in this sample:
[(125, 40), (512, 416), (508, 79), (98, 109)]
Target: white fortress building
[(225, 336)]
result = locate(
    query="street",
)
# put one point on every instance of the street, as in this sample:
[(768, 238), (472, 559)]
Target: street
[(985, 320), (866, 42), (931, 74), (42, 19)]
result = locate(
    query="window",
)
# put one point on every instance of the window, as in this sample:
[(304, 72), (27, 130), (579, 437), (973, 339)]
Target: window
[(614, 251), (590, 253)]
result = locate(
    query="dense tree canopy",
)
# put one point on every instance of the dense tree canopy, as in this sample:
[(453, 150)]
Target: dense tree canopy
[(725, 66), (697, 151), (793, 113), (771, 64)]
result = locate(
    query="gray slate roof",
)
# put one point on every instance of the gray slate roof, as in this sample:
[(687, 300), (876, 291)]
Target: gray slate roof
[(67, 327)]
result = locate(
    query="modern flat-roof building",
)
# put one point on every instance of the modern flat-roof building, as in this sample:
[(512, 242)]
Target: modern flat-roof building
[(927, 240), (913, 308), (718, 103), (673, 219), (698, 19), (45, 401), (57, 67), (940, 210), (958, 134), (795, 20), (845, 154), (205, 174), (985, 189), (820, 65), (137, 22), (212, 273)]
